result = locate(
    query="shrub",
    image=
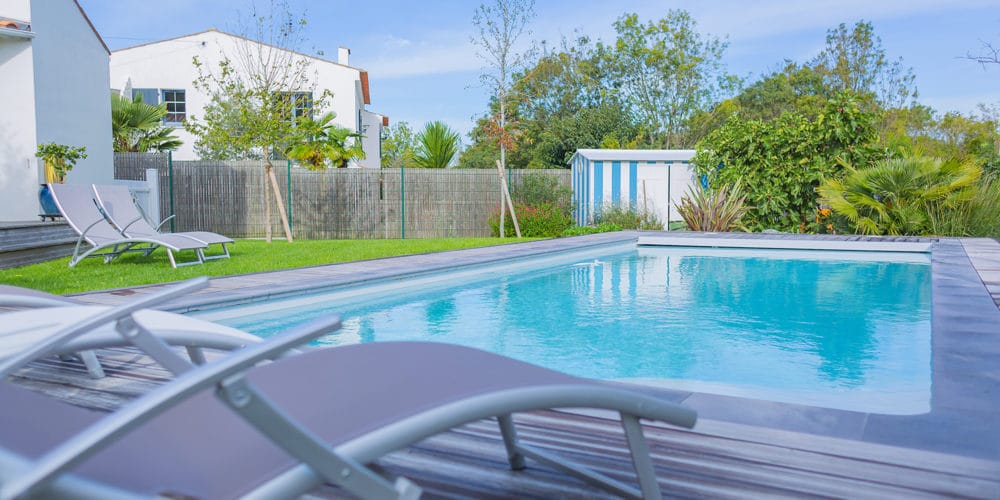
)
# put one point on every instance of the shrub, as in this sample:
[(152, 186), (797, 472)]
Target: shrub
[(898, 196), (716, 210), (628, 218), (544, 221)]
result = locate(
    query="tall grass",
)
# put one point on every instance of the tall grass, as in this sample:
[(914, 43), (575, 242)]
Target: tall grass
[(978, 216)]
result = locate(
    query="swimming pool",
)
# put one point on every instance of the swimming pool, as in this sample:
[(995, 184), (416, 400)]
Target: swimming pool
[(848, 330)]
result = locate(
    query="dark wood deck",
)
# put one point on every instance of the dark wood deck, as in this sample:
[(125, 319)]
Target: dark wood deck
[(716, 459)]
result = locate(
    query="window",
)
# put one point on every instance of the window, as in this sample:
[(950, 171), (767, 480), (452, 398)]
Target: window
[(173, 98), (300, 106), (149, 96), (176, 106)]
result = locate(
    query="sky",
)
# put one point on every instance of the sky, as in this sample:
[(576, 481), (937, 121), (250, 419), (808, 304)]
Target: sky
[(423, 67)]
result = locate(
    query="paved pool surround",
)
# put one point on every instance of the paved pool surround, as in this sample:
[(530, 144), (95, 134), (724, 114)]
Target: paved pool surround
[(965, 387)]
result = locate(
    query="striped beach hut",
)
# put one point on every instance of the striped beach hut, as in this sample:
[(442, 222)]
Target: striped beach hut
[(645, 179)]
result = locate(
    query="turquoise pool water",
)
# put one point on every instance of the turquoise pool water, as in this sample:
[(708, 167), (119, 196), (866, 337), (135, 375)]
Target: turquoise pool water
[(846, 330)]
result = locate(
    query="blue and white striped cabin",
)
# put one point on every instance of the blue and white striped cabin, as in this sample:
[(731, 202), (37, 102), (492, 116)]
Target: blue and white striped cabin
[(646, 179)]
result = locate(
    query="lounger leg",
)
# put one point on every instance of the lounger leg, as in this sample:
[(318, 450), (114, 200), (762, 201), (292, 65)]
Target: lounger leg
[(173, 263), (640, 456), (93, 365), (509, 433)]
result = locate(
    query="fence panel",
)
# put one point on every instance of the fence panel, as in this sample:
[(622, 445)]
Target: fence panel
[(228, 198), (133, 166)]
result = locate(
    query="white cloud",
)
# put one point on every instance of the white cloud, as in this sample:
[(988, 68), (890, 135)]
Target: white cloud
[(435, 54), (395, 42)]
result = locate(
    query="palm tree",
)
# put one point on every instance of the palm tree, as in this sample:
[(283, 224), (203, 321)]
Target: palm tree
[(437, 146), (136, 126), (320, 141), (896, 196)]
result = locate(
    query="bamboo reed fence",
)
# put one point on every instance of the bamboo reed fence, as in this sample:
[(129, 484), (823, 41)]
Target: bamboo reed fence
[(228, 197)]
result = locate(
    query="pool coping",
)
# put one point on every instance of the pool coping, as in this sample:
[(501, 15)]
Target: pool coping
[(965, 388)]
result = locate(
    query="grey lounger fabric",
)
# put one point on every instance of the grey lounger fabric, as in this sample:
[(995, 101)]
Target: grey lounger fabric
[(291, 425), (77, 205), (121, 209)]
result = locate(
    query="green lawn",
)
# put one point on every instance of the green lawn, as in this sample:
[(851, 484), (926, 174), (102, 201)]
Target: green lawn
[(248, 256)]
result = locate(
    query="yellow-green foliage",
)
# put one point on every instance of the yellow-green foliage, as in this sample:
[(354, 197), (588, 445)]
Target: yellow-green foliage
[(897, 196)]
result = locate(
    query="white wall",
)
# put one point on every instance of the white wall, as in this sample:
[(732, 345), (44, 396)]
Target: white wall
[(50, 94), (168, 65), (371, 127), (72, 104), (18, 165)]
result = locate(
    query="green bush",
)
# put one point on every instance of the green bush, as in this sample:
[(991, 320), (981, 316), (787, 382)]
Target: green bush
[(544, 221), (582, 230), (899, 196), (628, 218)]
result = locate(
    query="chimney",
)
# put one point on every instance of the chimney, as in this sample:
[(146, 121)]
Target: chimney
[(344, 56)]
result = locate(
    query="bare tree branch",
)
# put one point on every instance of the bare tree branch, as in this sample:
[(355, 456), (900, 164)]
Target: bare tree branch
[(988, 55)]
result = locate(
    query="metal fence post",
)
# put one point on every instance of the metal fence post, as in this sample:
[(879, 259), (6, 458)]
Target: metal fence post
[(289, 194), (402, 201), (170, 180)]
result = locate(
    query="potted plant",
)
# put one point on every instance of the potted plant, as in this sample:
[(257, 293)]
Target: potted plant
[(59, 160)]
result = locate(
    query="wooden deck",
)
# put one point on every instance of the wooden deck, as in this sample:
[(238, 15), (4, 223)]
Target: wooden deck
[(716, 459)]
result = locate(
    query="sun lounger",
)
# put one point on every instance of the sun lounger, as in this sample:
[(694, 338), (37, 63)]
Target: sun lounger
[(236, 427), (123, 213), (76, 204), (51, 313)]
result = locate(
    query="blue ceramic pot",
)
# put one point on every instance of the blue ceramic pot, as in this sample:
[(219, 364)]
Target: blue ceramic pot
[(48, 203)]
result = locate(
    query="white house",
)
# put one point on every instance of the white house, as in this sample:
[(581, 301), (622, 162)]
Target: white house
[(163, 72), (653, 180), (54, 87)]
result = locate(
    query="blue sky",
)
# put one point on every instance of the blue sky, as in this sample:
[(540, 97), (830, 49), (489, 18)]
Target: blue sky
[(423, 67)]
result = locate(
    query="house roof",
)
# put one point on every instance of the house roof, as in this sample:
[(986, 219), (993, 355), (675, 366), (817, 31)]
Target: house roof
[(214, 30), (634, 154), (364, 87)]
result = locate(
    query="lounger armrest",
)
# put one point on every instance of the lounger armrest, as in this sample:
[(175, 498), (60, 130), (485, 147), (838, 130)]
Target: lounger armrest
[(85, 231), (158, 226), (107, 430), (109, 316), (10, 300), (133, 221)]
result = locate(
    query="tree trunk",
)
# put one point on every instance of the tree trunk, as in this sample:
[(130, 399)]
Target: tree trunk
[(281, 206), (272, 187), (267, 203)]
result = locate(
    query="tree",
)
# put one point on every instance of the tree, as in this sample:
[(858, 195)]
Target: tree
[(256, 96), (399, 146), (322, 143), (137, 126), (988, 54), (780, 162), (437, 146), (666, 72), (500, 25), (855, 60)]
